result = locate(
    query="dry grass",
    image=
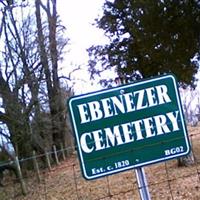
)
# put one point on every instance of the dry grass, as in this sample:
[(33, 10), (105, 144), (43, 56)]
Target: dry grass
[(166, 182)]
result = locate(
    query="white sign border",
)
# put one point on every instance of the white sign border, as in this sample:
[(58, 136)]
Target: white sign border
[(140, 164)]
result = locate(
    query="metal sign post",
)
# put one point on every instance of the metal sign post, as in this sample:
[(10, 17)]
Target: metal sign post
[(142, 184)]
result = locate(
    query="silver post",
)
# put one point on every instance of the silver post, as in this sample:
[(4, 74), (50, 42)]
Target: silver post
[(142, 184)]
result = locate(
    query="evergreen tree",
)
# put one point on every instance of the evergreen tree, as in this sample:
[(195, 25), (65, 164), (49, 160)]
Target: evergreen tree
[(148, 38)]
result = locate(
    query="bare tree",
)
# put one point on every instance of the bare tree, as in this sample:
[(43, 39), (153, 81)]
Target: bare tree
[(49, 58), (20, 76), (33, 105)]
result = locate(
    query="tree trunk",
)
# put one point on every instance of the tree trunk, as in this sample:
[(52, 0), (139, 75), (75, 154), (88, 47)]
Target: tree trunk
[(57, 108), (186, 161)]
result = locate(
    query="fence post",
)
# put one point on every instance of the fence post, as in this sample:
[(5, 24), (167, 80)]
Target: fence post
[(19, 173), (63, 151), (47, 159), (56, 155), (35, 163)]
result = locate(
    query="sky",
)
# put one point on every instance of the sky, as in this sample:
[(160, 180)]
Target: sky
[(78, 17)]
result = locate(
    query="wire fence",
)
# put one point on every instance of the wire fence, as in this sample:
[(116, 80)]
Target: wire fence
[(54, 175)]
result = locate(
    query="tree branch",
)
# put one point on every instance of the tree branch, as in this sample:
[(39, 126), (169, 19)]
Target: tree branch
[(4, 117)]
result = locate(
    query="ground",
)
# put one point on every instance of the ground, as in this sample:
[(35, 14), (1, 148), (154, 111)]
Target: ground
[(166, 181)]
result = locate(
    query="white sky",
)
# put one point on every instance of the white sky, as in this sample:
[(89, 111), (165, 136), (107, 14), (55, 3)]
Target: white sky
[(78, 17)]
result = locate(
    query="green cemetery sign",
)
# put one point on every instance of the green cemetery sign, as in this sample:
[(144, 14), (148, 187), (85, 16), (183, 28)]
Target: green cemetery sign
[(129, 126)]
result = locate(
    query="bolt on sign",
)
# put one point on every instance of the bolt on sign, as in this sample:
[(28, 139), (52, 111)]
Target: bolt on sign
[(129, 126)]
